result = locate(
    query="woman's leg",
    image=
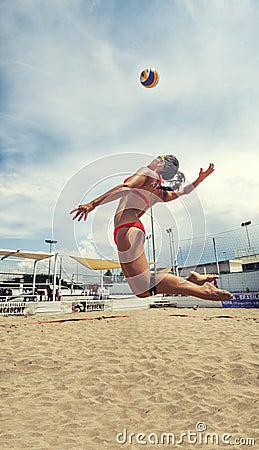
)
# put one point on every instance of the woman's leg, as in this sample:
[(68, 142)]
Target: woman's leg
[(170, 284), (136, 270), (130, 243)]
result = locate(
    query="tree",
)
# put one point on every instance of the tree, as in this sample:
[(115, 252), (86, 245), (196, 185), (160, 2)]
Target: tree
[(108, 273)]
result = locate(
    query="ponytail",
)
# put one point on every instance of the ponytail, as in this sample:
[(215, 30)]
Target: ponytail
[(173, 184)]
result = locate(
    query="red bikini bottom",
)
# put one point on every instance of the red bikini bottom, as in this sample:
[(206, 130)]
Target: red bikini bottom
[(138, 225)]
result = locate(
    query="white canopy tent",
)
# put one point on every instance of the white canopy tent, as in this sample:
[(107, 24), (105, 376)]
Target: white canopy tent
[(36, 256)]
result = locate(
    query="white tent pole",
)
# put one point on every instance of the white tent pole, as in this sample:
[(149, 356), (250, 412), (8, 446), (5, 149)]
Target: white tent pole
[(54, 277), (34, 276), (60, 274), (101, 279)]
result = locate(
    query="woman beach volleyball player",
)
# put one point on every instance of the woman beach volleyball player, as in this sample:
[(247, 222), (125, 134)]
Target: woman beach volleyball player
[(160, 181)]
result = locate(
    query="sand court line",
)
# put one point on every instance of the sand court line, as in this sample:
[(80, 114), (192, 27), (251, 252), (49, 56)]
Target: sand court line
[(212, 317), (74, 319)]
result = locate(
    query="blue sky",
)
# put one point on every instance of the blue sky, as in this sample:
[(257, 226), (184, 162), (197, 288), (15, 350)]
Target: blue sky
[(70, 97)]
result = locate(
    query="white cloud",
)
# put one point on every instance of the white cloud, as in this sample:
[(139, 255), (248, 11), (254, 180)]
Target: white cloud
[(87, 249)]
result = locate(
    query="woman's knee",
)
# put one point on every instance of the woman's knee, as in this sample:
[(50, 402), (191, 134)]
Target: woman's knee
[(142, 294), (141, 290)]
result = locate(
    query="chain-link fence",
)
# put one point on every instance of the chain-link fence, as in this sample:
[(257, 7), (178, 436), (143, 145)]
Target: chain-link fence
[(234, 255)]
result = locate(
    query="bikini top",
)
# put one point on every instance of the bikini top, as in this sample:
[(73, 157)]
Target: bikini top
[(139, 193)]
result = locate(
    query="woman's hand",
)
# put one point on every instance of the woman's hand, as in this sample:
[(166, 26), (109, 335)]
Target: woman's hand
[(82, 211), (205, 173)]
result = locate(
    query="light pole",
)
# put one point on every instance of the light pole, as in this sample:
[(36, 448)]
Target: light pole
[(169, 231), (148, 246), (216, 255), (181, 256), (153, 238), (176, 271), (245, 224), (50, 242), (173, 251)]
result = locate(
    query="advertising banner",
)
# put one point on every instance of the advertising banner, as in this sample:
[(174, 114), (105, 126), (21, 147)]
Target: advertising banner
[(17, 308), (246, 300)]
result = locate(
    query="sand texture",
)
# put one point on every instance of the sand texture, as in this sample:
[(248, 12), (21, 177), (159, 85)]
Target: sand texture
[(75, 385)]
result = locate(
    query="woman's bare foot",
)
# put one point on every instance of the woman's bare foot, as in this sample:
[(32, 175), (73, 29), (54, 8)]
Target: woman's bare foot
[(199, 279), (212, 293), (171, 284)]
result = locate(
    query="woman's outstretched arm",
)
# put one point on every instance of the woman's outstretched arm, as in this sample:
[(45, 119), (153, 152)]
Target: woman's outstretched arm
[(82, 211)]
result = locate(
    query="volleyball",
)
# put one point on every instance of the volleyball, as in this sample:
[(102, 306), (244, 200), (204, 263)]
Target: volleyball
[(149, 78)]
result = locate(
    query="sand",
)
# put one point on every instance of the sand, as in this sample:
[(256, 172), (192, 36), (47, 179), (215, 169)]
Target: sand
[(98, 384)]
